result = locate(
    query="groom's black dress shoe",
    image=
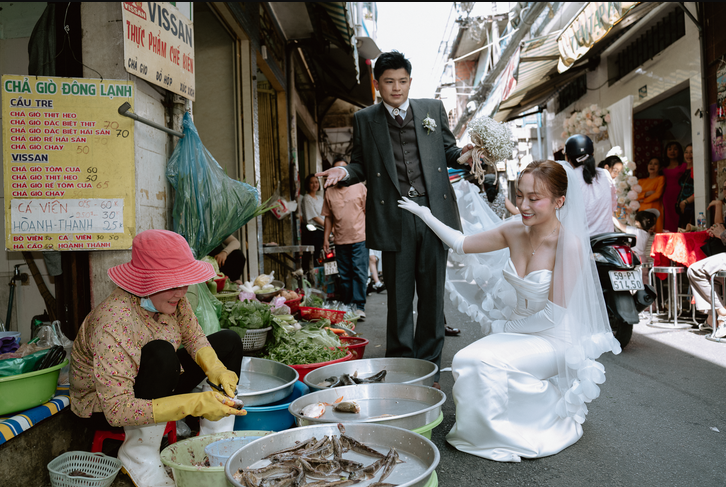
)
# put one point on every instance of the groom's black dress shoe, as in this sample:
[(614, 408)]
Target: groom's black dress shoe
[(451, 332)]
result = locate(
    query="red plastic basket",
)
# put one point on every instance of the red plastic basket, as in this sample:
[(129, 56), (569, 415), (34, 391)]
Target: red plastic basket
[(309, 314), (355, 345), (305, 369), (294, 305)]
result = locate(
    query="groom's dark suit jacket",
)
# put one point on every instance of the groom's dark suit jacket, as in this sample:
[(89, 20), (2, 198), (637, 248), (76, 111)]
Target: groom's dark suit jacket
[(373, 161)]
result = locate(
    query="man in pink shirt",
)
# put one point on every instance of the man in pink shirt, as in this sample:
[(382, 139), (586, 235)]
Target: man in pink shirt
[(344, 211)]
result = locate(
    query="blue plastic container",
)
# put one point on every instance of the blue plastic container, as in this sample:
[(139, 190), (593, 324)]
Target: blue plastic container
[(272, 417)]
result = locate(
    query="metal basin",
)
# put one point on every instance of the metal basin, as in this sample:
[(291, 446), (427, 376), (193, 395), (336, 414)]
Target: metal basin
[(399, 370), (404, 405), (419, 454), (263, 381)]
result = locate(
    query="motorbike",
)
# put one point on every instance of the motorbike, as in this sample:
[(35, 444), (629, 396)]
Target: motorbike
[(621, 279)]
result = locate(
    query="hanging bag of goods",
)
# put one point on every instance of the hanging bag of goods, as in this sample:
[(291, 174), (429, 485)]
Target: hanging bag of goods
[(492, 143)]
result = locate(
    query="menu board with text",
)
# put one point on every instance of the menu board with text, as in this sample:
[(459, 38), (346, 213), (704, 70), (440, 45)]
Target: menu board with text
[(68, 163)]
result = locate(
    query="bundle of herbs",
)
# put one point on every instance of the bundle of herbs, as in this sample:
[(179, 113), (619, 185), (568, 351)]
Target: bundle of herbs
[(311, 344)]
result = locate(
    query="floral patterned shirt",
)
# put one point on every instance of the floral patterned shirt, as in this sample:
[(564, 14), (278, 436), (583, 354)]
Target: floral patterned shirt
[(107, 354)]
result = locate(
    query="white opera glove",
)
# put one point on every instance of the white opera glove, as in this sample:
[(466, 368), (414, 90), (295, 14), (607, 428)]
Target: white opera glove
[(543, 319), (452, 238)]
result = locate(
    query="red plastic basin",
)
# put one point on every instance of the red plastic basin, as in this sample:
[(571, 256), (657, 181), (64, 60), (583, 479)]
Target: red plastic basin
[(305, 369), (355, 345)]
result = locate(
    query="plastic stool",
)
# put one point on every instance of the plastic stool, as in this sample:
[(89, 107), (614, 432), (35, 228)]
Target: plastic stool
[(673, 296), (118, 434)]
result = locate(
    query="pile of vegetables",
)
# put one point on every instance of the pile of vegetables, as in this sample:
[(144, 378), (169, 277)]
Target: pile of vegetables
[(241, 316), (310, 343)]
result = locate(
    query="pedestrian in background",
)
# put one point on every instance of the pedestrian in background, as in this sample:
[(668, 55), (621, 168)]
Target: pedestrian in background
[(686, 197), (313, 222), (652, 191), (672, 172), (344, 209)]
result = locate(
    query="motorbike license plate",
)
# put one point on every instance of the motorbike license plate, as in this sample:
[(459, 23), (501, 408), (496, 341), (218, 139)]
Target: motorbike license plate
[(330, 267), (626, 280)]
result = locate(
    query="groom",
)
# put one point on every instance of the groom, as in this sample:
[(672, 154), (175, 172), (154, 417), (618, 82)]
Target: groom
[(402, 147)]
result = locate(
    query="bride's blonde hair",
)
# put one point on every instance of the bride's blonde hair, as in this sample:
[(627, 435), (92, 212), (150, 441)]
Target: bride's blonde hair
[(549, 173)]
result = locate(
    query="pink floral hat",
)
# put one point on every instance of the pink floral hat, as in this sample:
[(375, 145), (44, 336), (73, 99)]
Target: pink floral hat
[(160, 260)]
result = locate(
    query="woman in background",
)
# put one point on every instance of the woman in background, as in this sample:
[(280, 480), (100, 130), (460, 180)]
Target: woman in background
[(685, 208), (313, 222), (653, 186), (672, 172)]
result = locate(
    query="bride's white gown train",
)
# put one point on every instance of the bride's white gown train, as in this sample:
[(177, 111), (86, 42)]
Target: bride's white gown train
[(505, 404)]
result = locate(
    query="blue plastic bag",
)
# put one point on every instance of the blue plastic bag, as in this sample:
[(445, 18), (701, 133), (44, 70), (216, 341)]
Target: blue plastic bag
[(208, 205)]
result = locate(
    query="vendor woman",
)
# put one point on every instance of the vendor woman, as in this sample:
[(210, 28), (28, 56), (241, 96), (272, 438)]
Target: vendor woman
[(127, 367)]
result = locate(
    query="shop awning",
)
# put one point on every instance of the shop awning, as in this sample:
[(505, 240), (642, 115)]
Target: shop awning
[(590, 25), (538, 60)]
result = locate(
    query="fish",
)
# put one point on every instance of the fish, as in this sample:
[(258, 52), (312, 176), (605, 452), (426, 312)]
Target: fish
[(299, 446), (359, 447), (335, 483), (379, 377), (367, 473), (349, 465), (347, 407), (382, 484), (333, 381), (337, 448), (390, 463), (317, 409), (347, 380)]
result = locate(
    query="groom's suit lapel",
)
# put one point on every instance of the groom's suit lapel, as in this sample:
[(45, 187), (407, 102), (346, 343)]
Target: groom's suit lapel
[(382, 139), (426, 141)]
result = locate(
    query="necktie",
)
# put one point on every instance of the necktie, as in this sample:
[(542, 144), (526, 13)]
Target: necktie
[(399, 120), (397, 115)]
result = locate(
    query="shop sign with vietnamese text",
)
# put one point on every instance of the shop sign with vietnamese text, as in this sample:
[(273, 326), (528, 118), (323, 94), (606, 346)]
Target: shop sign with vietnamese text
[(591, 24), (68, 163), (159, 46)]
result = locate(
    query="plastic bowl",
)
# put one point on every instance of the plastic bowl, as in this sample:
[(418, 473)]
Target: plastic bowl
[(271, 417), (269, 296), (219, 451), (25, 391), (305, 369), (355, 345), (426, 429), (185, 459)]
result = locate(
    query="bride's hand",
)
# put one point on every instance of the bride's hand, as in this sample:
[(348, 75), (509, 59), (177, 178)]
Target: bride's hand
[(416, 209)]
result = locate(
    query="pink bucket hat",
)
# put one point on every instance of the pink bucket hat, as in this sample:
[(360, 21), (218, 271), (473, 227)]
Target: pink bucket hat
[(160, 260)]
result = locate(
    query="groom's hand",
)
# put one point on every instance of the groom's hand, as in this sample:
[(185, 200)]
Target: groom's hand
[(464, 150), (332, 176)]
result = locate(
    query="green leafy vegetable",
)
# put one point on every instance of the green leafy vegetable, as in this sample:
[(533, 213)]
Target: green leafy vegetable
[(304, 353), (247, 314)]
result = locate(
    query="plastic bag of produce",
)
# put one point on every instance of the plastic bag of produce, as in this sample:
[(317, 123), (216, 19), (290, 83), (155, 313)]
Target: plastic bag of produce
[(208, 205), (208, 309)]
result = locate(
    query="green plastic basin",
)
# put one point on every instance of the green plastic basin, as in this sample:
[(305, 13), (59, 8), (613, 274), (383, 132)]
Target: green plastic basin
[(25, 391), (425, 430)]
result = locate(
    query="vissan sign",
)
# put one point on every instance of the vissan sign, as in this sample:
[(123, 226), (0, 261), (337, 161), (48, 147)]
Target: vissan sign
[(591, 24)]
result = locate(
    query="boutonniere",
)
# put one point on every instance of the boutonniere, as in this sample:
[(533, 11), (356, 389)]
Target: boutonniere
[(429, 124)]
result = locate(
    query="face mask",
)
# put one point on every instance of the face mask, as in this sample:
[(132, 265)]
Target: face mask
[(148, 305)]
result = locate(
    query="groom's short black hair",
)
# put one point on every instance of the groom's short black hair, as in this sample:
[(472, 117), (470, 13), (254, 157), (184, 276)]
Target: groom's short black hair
[(390, 60)]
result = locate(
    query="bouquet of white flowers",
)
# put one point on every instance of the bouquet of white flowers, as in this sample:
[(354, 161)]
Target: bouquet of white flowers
[(492, 143), (626, 187), (590, 121)]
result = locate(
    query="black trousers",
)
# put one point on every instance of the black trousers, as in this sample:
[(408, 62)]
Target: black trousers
[(234, 265), (420, 268), (160, 370)]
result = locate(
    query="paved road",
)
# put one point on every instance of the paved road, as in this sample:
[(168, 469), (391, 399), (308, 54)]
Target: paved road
[(660, 419)]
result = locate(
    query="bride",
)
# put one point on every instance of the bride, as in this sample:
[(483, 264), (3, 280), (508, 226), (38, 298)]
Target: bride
[(522, 390)]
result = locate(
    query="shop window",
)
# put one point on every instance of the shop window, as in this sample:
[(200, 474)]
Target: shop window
[(651, 42), (572, 92)]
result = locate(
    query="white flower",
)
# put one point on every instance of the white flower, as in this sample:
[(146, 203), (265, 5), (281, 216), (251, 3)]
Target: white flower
[(622, 200), (615, 151), (632, 195), (593, 107), (634, 205), (632, 180), (429, 124), (631, 165), (623, 185), (637, 188)]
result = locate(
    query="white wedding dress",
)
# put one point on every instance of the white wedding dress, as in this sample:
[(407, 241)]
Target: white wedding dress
[(505, 403)]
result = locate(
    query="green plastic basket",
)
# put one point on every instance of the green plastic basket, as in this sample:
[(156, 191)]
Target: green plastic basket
[(101, 469), (185, 458), (426, 429), (25, 391)]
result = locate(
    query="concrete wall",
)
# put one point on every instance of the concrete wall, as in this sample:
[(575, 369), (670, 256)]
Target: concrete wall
[(673, 69), (103, 51), (17, 20)]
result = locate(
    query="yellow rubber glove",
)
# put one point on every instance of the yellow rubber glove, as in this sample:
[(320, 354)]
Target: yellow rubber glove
[(216, 371), (210, 405)]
